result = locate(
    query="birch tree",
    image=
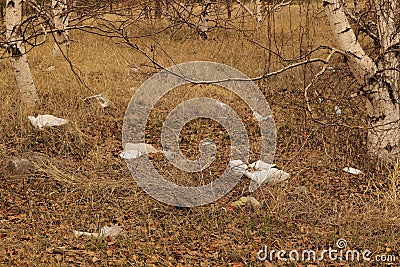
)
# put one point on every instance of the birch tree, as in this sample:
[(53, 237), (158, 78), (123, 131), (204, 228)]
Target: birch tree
[(258, 10), (60, 19), (378, 76), (203, 22), (18, 58)]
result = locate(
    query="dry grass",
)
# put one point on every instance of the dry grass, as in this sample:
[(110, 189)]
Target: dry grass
[(81, 183)]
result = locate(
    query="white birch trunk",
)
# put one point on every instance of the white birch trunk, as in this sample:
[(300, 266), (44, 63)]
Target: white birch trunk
[(203, 23), (259, 15), (387, 136), (382, 101), (18, 58), (60, 19)]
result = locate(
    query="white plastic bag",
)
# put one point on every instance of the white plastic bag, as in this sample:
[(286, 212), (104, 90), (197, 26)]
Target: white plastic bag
[(260, 118), (46, 120), (261, 172), (136, 150), (100, 98), (112, 231)]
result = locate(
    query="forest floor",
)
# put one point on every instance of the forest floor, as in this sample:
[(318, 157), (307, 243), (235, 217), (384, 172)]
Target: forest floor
[(79, 181)]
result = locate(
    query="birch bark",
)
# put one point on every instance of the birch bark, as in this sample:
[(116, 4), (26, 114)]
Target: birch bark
[(18, 58), (258, 11), (203, 23), (61, 37), (380, 79)]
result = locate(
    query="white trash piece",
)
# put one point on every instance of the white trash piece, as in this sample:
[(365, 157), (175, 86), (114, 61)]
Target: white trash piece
[(352, 170), (238, 166), (131, 154), (136, 150), (269, 176), (112, 231), (331, 69), (260, 118), (261, 165), (100, 98), (46, 120), (338, 110), (262, 172)]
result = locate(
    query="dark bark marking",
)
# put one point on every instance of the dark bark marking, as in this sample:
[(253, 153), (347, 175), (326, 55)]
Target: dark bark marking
[(12, 3), (345, 30)]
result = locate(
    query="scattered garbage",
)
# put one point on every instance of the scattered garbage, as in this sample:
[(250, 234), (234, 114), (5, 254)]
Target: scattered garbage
[(352, 170), (142, 147), (246, 201), (100, 98), (112, 231), (260, 118), (331, 69), (261, 172), (338, 110), (46, 120), (238, 166), (271, 175), (134, 154), (136, 150), (261, 165)]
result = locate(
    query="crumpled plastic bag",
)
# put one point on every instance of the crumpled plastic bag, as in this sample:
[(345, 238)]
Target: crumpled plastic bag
[(261, 172), (46, 120), (260, 118), (112, 231), (136, 150), (238, 166), (100, 98)]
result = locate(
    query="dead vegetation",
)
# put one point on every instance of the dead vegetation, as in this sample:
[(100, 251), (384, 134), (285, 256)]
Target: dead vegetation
[(77, 181)]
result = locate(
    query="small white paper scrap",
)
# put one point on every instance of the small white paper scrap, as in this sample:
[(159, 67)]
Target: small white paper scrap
[(352, 170)]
